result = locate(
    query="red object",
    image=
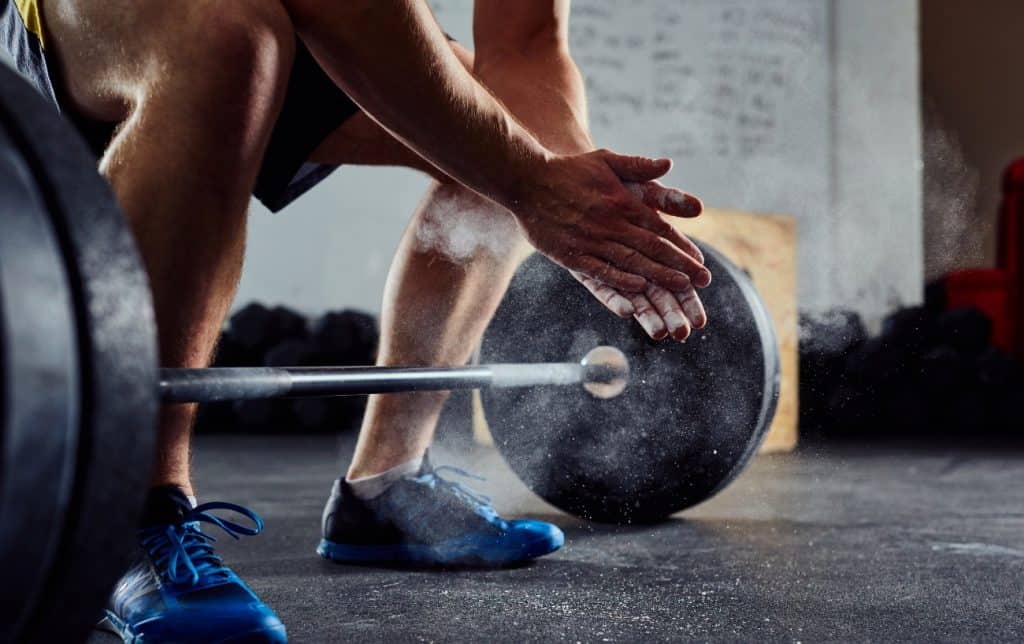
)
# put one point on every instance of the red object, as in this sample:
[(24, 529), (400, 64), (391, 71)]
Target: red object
[(999, 292), (990, 291)]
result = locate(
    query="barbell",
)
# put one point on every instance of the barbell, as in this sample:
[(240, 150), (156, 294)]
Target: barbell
[(603, 373), (80, 388)]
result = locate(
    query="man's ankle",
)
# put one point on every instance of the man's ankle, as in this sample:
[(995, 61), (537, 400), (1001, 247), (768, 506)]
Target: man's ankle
[(185, 487), (367, 484), (166, 504)]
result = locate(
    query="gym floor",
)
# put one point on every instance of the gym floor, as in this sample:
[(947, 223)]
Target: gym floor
[(848, 543)]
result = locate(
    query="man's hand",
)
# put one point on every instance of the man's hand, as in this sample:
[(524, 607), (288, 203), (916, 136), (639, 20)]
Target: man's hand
[(523, 56), (660, 312), (573, 208), (596, 215)]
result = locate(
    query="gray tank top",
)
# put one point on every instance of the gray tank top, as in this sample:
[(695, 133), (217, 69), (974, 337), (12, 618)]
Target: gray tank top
[(22, 39)]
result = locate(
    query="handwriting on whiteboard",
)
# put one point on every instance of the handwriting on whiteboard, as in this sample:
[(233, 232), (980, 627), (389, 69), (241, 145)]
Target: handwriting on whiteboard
[(720, 73), (736, 91)]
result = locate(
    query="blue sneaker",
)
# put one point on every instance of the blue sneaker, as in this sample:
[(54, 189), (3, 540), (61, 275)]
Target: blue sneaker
[(426, 519), (179, 591)]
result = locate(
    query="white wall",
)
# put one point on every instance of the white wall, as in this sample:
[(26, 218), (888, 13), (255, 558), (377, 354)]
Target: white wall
[(842, 153), (332, 248), (736, 91), (878, 241)]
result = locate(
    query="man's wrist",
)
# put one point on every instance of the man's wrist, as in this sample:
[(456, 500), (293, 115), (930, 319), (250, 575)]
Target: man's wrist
[(522, 182)]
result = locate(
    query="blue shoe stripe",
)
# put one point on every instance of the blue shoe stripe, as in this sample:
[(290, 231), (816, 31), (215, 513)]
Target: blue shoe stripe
[(114, 624), (466, 549), (275, 633)]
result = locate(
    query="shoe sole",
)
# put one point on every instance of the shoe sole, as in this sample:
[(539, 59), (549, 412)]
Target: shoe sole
[(111, 623), (474, 550)]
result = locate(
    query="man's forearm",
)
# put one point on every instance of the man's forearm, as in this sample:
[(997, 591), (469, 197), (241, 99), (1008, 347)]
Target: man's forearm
[(457, 123), (391, 57), (545, 92)]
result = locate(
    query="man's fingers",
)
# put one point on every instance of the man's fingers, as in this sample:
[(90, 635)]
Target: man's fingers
[(660, 252), (667, 232), (648, 317), (662, 272), (670, 201), (643, 217), (659, 312), (700, 275), (683, 243), (670, 310), (693, 308), (616, 303), (633, 168), (690, 261), (612, 299), (603, 271)]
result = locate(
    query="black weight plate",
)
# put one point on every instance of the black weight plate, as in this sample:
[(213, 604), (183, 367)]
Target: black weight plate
[(39, 388), (692, 417), (117, 354)]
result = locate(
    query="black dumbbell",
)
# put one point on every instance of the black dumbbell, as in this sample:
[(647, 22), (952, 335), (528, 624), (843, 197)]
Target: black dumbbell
[(292, 353), (945, 371), (997, 370), (346, 337), (256, 328), (230, 353), (968, 330)]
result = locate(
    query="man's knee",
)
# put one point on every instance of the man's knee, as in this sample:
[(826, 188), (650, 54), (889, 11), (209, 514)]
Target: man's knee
[(462, 226), (223, 69), (243, 44)]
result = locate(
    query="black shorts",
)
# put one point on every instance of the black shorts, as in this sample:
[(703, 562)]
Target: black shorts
[(314, 107)]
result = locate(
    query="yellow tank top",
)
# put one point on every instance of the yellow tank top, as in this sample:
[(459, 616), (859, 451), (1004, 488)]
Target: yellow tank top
[(29, 10)]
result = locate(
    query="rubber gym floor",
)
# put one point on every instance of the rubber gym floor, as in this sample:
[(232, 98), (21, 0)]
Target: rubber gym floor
[(848, 543)]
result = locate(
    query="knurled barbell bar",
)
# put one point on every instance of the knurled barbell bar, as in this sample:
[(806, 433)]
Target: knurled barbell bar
[(80, 389), (603, 372)]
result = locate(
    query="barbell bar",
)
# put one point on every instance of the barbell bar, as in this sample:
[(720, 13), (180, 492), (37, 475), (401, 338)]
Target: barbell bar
[(603, 372)]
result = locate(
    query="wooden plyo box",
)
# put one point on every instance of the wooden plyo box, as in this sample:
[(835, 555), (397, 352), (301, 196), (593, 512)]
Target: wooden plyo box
[(765, 247)]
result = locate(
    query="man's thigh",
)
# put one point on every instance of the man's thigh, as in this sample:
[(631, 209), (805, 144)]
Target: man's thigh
[(112, 54)]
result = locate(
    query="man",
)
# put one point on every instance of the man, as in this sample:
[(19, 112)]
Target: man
[(194, 105)]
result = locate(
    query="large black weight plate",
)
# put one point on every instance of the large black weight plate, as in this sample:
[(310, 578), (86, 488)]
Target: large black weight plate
[(692, 417), (117, 357), (39, 388)]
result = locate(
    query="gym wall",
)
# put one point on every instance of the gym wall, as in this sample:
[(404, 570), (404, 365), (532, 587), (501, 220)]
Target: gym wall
[(974, 106)]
